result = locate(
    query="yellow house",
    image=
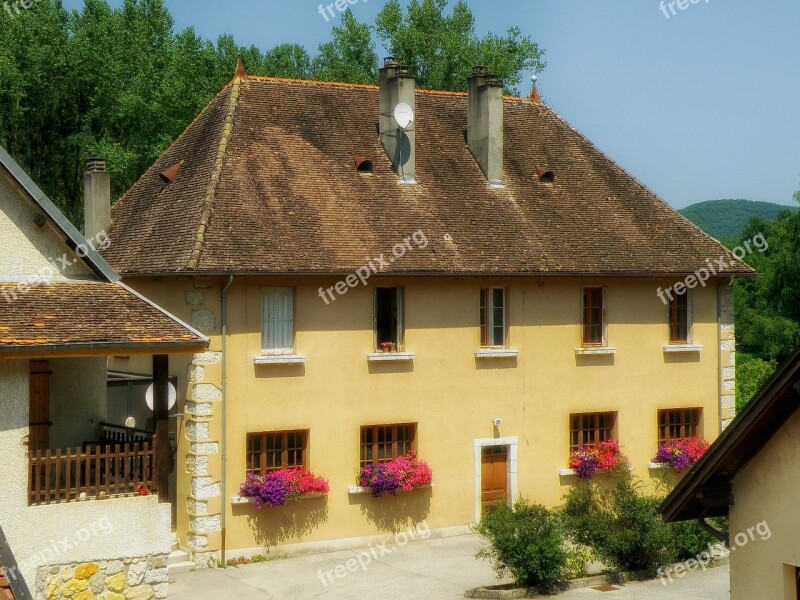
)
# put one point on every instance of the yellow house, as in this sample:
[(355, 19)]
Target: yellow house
[(750, 475), (381, 270)]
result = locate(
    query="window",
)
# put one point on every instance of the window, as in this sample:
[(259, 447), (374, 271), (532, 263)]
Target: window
[(589, 429), (594, 316), (678, 423), (382, 443), (277, 322), (389, 317), (276, 450), (679, 317), (493, 317)]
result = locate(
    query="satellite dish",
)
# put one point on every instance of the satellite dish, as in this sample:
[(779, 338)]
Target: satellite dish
[(404, 115), (148, 397), (130, 422)]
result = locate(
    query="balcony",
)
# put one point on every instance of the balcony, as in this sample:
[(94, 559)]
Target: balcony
[(122, 462)]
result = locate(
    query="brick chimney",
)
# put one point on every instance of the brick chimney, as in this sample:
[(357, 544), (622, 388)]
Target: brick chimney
[(485, 123), (397, 85), (96, 197)]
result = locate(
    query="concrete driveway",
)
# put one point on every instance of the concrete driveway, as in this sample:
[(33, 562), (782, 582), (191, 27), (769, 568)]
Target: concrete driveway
[(434, 569)]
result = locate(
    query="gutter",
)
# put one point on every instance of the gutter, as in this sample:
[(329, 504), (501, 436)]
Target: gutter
[(224, 310)]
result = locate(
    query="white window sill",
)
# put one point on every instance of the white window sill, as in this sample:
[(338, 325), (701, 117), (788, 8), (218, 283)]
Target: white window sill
[(357, 489), (390, 356), (657, 466), (567, 472), (279, 359), (682, 347), (595, 350), (251, 500), (496, 353)]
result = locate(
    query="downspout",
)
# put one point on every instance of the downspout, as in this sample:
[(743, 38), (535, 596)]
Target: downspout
[(224, 310)]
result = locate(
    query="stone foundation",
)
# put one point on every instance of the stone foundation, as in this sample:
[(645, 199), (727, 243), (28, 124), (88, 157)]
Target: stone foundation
[(125, 579)]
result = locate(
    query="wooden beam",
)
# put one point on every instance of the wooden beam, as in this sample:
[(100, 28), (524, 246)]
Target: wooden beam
[(161, 424)]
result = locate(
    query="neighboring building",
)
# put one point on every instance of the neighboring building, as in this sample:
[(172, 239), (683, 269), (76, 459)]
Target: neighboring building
[(750, 475), (71, 506), (514, 267)]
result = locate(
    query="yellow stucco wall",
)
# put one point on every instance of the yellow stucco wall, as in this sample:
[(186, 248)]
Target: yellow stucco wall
[(450, 394), (767, 492)]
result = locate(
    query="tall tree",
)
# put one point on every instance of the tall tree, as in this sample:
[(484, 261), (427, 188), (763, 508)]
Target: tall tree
[(350, 56), (441, 49)]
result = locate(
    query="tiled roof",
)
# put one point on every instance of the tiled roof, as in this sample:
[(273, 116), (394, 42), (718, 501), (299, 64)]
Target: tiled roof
[(85, 314), (268, 185)]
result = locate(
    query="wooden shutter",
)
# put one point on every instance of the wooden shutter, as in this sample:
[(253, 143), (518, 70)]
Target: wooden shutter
[(689, 317), (278, 320)]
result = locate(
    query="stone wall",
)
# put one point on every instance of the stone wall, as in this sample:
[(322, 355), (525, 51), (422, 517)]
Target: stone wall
[(204, 501), (727, 351), (128, 579)]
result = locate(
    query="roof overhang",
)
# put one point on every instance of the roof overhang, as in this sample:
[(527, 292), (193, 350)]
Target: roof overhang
[(706, 490)]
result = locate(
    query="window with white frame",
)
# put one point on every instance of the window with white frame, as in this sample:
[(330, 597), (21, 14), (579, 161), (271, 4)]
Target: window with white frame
[(277, 320), (493, 317)]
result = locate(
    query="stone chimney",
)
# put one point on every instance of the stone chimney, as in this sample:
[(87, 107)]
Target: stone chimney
[(485, 123), (96, 197), (397, 85)]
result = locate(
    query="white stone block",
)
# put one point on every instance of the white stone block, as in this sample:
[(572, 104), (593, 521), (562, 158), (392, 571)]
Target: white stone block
[(205, 524), (729, 372), (206, 358), (197, 465), (197, 542), (136, 573), (200, 409), (196, 507), (729, 385), (197, 432), (728, 345), (206, 392), (204, 488), (196, 373), (205, 448)]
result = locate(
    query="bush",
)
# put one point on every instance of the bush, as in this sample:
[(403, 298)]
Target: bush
[(620, 525), (751, 374), (624, 529), (528, 543)]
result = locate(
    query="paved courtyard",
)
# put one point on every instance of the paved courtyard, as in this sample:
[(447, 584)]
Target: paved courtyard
[(434, 569)]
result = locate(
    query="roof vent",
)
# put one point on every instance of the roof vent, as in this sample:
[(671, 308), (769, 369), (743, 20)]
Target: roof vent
[(545, 175), (363, 165), (169, 175)]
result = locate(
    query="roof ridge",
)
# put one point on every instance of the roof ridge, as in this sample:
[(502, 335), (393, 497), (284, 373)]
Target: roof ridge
[(363, 86), (216, 172)]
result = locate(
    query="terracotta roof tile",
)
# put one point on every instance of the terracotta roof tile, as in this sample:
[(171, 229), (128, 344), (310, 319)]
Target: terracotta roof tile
[(78, 313), (268, 186)]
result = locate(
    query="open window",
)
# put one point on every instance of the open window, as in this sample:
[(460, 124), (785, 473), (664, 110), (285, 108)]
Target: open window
[(680, 318), (595, 323), (493, 317), (388, 318)]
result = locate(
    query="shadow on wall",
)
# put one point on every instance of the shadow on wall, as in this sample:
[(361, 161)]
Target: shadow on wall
[(392, 514), (288, 524)]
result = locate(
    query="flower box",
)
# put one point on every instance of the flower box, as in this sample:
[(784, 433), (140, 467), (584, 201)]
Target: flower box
[(251, 500), (355, 490), (589, 460), (682, 454), (276, 488), (401, 474)]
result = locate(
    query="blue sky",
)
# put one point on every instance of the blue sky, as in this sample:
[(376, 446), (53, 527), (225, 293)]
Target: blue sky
[(698, 106)]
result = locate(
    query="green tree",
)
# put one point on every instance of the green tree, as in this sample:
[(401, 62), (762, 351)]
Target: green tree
[(350, 56), (751, 374), (441, 49)]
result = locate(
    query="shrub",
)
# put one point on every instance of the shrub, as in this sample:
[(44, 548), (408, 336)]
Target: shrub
[(682, 454), (620, 525), (527, 543), (403, 473), (606, 457)]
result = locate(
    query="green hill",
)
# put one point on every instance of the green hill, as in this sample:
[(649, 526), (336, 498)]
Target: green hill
[(725, 219)]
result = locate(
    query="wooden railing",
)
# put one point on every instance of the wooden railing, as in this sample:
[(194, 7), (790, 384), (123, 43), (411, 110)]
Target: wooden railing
[(104, 469)]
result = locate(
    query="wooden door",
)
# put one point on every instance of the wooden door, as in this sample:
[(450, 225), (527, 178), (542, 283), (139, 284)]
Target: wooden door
[(494, 474), (39, 417)]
